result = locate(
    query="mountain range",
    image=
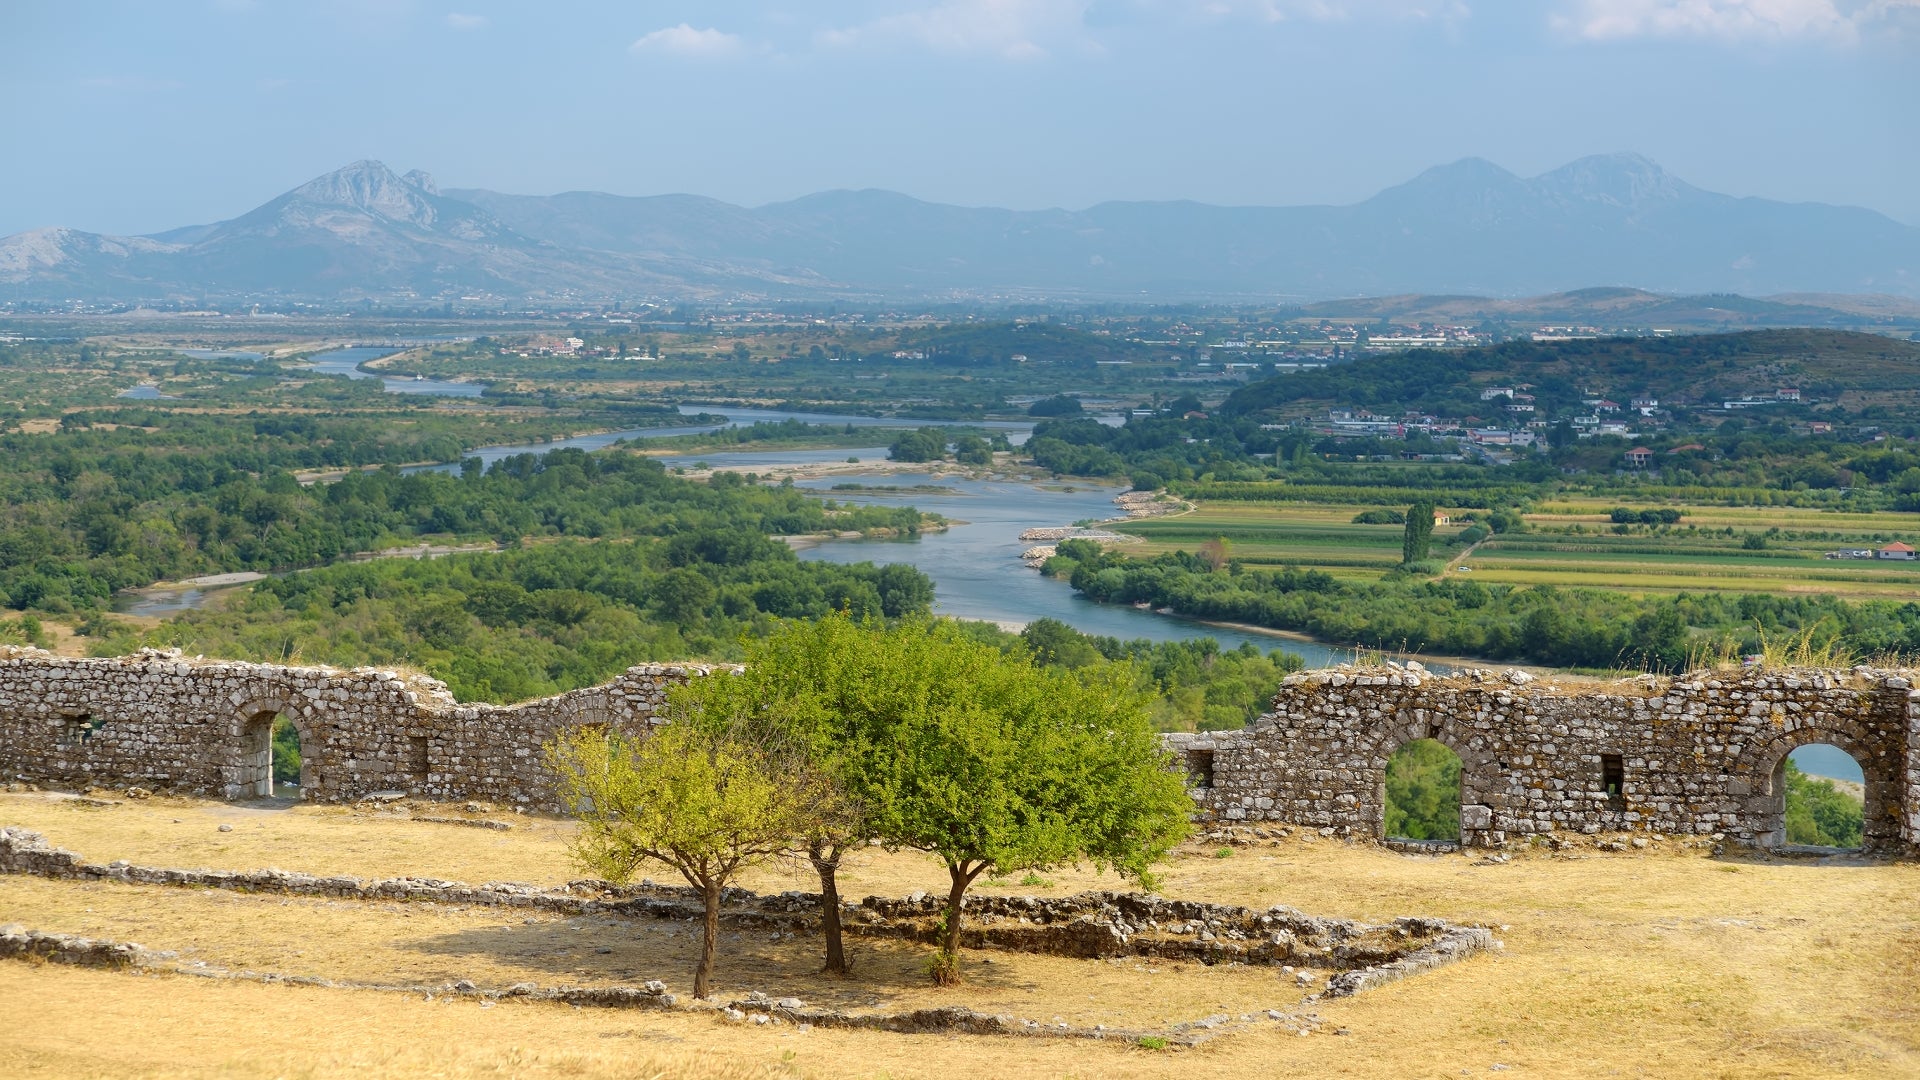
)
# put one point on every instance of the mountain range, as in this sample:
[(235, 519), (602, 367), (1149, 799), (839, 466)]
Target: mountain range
[(1471, 227)]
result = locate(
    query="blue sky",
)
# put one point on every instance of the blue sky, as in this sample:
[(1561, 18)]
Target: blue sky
[(136, 117)]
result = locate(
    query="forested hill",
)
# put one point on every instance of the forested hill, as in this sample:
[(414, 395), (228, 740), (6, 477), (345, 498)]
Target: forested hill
[(1691, 370)]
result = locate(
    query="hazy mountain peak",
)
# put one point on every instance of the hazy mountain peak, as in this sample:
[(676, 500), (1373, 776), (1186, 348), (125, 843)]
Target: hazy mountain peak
[(1465, 172), (1619, 179), (1467, 227), (372, 187)]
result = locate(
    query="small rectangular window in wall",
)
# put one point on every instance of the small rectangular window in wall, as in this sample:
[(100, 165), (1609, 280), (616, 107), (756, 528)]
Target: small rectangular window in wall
[(80, 729), (1200, 768), (420, 762), (1613, 778)]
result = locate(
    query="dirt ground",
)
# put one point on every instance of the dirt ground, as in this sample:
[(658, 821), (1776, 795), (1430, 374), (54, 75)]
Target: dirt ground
[(1645, 964)]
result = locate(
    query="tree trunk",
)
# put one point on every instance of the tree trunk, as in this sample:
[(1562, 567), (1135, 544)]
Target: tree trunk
[(709, 937), (946, 962), (956, 896), (826, 863)]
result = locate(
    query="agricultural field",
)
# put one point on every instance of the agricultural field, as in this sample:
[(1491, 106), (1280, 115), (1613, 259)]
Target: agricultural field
[(1573, 543), (1319, 537)]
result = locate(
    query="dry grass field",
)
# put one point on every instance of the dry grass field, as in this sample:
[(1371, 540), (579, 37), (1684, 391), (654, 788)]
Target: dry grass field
[(1647, 964)]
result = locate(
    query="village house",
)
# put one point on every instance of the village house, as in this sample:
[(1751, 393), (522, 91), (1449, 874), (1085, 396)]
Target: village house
[(1639, 457), (1897, 550)]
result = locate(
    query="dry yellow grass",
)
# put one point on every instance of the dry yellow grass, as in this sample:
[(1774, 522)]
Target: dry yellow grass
[(1634, 965)]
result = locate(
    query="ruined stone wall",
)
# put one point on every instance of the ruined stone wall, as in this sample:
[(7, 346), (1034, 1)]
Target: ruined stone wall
[(1695, 755), (161, 721), (1699, 754)]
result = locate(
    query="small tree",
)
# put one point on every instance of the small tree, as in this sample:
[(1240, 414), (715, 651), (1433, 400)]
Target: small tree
[(990, 762), (1419, 536), (707, 803), (793, 694)]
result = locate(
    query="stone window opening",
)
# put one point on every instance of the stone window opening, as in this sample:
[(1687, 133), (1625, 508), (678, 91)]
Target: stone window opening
[(81, 728), (1613, 780), (1200, 768)]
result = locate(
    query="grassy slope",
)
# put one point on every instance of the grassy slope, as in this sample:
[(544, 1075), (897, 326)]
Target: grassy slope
[(1648, 964)]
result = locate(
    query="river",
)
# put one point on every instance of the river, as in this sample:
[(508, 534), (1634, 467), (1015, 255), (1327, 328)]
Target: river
[(975, 567), (347, 362), (1016, 432)]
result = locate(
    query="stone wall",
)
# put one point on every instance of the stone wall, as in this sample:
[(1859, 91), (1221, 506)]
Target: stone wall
[(1699, 754), (1696, 755), (161, 721)]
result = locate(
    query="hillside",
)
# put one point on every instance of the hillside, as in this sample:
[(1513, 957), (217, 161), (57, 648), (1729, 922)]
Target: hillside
[(1679, 371), (1619, 221), (1626, 307)]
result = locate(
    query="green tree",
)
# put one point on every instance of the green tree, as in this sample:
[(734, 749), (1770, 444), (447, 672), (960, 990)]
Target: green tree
[(704, 801), (803, 688), (926, 444), (1820, 814), (990, 762), (1423, 792), (1419, 534), (972, 450), (286, 752)]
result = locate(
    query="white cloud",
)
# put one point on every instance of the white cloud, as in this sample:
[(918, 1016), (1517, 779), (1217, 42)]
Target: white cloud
[(1739, 20), (1331, 10), (1028, 29), (1016, 29), (684, 40), (467, 22)]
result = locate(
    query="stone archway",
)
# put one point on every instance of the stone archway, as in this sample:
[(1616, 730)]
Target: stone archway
[(249, 773), (1761, 775), (1476, 815)]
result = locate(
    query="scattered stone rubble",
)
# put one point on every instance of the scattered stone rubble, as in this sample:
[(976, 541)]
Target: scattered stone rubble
[(1696, 756)]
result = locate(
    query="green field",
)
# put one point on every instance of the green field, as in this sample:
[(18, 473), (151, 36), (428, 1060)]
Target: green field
[(1321, 537), (1695, 555)]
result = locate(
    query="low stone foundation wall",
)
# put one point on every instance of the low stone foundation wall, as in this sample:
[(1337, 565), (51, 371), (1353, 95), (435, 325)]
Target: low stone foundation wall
[(1092, 926)]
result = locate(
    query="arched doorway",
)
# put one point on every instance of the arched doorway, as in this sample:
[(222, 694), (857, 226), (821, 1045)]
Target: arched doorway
[(286, 758), (271, 762), (1822, 794), (1422, 796)]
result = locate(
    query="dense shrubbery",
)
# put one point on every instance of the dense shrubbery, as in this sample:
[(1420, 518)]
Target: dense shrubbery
[(1423, 792), (80, 526), (1588, 628), (1199, 687), (1819, 813), (546, 618)]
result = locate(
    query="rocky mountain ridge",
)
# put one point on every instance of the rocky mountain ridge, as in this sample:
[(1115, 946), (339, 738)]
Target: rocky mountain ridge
[(1469, 227)]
